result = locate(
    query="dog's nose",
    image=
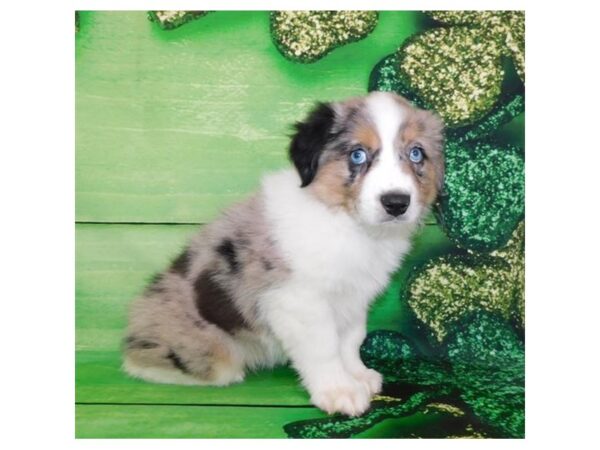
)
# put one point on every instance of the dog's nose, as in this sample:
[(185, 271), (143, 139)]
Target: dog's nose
[(395, 203)]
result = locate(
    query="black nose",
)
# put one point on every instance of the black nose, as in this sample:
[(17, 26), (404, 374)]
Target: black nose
[(395, 203)]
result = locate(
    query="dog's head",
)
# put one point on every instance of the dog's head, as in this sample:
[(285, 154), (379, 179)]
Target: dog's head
[(377, 156)]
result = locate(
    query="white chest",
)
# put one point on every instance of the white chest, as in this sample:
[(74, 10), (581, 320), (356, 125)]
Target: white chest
[(329, 249)]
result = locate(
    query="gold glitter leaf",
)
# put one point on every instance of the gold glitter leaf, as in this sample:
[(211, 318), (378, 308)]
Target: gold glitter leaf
[(456, 71), (505, 27), (514, 254), (168, 20), (449, 287), (306, 36)]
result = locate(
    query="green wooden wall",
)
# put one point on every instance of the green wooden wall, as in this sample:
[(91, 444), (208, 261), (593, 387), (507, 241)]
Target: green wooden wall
[(171, 127)]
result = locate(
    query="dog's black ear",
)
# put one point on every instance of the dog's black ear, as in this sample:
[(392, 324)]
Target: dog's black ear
[(310, 139)]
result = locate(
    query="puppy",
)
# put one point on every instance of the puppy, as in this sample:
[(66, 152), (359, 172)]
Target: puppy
[(289, 273)]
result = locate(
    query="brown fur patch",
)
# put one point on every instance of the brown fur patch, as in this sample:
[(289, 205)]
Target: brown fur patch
[(333, 187), (424, 129), (330, 183), (366, 135), (411, 130)]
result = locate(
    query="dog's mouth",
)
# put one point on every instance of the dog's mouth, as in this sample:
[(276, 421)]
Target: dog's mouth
[(387, 218), (410, 216), (391, 220)]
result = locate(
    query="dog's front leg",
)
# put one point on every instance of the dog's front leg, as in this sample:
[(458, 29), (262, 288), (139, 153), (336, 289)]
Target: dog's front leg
[(352, 336), (304, 323)]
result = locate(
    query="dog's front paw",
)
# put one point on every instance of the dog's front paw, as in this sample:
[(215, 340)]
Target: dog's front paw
[(348, 397), (372, 379)]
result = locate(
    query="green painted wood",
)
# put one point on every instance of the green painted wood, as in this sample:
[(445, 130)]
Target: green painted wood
[(98, 378), (113, 264), (173, 125), (134, 421)]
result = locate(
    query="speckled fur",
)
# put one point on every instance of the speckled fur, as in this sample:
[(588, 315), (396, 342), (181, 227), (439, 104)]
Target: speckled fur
[(167, 319)]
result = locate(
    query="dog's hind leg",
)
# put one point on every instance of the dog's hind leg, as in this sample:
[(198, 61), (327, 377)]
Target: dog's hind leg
[(169, 342), (156, 360)]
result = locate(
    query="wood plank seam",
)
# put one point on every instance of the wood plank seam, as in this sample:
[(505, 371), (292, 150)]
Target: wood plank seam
[(233, 405)]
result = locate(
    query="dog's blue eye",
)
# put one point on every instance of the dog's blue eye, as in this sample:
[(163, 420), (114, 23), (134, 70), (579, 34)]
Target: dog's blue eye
[(416, 154), (358, 156)]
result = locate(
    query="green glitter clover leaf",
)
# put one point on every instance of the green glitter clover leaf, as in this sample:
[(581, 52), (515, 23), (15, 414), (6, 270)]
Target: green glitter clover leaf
[(384, 409), (488, 362), (457, 70), (411, 383), (301, 36), (398, 360), (307, 36), (484, 367), (447, 288), (483, 199), (169, 20)]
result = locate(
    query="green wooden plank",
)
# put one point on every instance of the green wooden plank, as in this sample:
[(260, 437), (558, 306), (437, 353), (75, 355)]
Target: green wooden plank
[(113, 264), (172, 124), (134, 421), (99, 379)]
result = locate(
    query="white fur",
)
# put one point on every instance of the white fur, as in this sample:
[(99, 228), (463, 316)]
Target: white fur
[(319, 315), (169, 376), (386, 174)]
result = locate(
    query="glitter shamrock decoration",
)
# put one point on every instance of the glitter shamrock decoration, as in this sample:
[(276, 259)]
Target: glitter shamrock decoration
[(447, 288), (386, 76), (514, 255), (413, 384), (168, 20), (307, 36), (507, 28), (477, 382), (484, 194), (488, 364), (463, 84), (456, 70)]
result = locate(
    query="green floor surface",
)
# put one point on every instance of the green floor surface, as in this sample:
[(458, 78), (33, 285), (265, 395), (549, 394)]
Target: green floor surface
[(135, 421)]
